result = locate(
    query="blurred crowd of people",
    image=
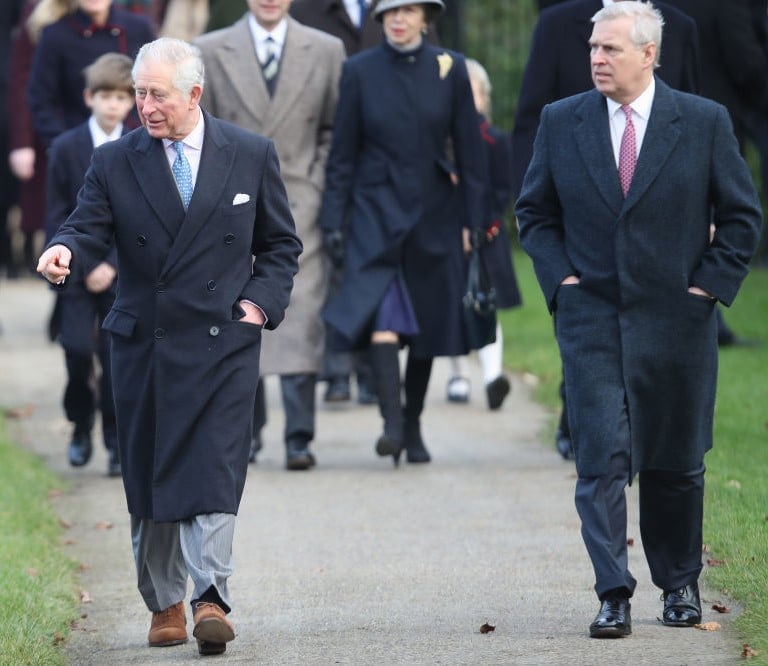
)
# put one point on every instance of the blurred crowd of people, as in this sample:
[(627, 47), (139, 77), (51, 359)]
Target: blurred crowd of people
[(48, 43)]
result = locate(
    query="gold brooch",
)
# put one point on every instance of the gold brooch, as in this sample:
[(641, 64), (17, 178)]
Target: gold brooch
[(445, 62)]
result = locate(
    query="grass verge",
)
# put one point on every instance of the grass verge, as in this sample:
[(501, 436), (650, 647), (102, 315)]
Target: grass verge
[(736, 503), (36, 577)]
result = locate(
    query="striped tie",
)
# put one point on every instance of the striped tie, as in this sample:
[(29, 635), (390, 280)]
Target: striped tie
[(270, 65)]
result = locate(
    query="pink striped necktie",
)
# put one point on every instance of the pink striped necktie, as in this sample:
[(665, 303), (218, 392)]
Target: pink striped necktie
[(627, 151)]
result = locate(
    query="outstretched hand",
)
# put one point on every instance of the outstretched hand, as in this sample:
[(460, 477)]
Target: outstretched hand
[(54, 263)]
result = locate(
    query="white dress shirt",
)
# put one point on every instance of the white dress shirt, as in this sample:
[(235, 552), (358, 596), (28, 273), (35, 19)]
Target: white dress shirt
[(260, 36), (353, 9), (641, 111), (99, 136)]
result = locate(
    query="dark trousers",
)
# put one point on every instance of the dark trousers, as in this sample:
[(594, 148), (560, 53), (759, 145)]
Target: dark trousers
[(671, 513), (298, 394), (86, 392)]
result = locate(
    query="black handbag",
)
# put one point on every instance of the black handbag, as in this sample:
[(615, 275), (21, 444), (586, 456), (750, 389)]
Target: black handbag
[(479, 299)]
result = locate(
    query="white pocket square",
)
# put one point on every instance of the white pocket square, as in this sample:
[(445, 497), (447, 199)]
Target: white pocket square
[(240, 198)]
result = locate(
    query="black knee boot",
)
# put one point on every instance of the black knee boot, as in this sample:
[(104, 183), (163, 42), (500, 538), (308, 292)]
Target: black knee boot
[(417, 374), (386, 373)]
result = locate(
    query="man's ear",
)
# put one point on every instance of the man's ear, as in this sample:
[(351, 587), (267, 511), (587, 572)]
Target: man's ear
[(88, 98), (649, 54), (194, 95)]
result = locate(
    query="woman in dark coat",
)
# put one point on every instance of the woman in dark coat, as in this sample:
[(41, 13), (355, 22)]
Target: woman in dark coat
[(66, 48), (495, 251), (405, 175)]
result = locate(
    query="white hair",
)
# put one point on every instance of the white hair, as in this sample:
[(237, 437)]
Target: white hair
[(186, 59), (647, 22)]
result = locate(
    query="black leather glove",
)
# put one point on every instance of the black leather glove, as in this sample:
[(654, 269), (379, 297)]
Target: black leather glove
[(333, 244)]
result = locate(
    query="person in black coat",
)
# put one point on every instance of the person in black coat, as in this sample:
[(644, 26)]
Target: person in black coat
[(558, 66), (85, 304), (207, 250), (341, 18), (405, 203), (65, 49), (495, 249)]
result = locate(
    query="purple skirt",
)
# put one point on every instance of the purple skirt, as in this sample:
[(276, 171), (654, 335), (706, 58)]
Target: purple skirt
[(395, 311)]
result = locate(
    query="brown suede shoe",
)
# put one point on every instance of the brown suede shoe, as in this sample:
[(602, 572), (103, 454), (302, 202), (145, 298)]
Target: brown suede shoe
[(169, 627), (212, 629)]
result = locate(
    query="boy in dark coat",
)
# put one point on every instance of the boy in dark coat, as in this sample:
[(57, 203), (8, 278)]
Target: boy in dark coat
[(83, 306)]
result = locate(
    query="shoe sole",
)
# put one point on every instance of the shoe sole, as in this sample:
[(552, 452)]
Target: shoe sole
[(208, 648), (497, 391), (178, 641), (609, 632), (213, 630), (680, 624)]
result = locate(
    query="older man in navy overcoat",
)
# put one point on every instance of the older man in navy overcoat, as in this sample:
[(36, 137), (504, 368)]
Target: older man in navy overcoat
[(206, 252), (615, 211)]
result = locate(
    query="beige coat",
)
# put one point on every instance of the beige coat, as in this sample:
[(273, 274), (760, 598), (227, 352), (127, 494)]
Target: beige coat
[(299, 118)]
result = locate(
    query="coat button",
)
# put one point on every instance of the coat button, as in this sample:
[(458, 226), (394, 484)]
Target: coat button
[(214, 331), (160, 287), (159, 333), (141, 240), (211, 285), (229, 238)]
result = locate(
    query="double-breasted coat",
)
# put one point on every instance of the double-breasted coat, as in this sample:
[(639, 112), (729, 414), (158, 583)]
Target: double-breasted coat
[(630, 330), (184, 369), (299, 119), (389, 178)]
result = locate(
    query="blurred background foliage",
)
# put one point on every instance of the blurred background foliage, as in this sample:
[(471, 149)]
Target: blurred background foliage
[(496, 33)]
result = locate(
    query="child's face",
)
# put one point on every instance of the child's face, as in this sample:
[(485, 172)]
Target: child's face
[(109, 107)]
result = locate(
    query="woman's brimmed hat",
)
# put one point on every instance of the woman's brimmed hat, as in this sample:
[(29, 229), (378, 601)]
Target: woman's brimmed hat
[(434, 7)]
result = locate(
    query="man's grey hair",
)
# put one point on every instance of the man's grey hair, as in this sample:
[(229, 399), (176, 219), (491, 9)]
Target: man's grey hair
[(184, 57), (647, 22)]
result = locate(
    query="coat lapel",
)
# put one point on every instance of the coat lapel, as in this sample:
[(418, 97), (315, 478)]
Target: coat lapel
[(593, 137), (150, 167), (293, 78), (216, 161), (661, 137), (238, 63)]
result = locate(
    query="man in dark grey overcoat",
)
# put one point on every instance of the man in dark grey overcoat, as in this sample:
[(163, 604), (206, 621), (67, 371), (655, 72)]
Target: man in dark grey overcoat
[(615, 211), (206, 252)]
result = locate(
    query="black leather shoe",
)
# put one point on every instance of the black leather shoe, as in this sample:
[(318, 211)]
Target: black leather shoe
[(682, 607), (298, 457), (613, 620), (80, 449), (496, 391), (564, 446), (255, 448), (365, 395), (337, 390)]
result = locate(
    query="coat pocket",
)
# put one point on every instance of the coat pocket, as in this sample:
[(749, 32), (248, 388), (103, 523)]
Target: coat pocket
[(120, 323)]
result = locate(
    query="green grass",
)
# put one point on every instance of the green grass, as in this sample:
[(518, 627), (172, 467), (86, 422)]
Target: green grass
[(36, 578), (736, 503)]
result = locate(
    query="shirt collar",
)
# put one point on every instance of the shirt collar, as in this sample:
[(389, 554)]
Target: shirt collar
[(195, 138), (99, 136), (259, 34), (640, 105)]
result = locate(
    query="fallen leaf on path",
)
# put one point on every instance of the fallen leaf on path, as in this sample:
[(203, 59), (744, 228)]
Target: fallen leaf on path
[(720, 608), (104, 525), (85, 597), (747, 652), (65, 523), (711, 562), (487, 628), (19, 412), (708, 626), (58, 639), (70, 542)]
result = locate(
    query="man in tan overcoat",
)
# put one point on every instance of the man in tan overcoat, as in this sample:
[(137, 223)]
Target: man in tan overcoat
[(272, 75)]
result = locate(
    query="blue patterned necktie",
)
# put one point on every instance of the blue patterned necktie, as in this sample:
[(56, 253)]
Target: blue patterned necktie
[(270, 65), (182, 172), (363, 9)]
